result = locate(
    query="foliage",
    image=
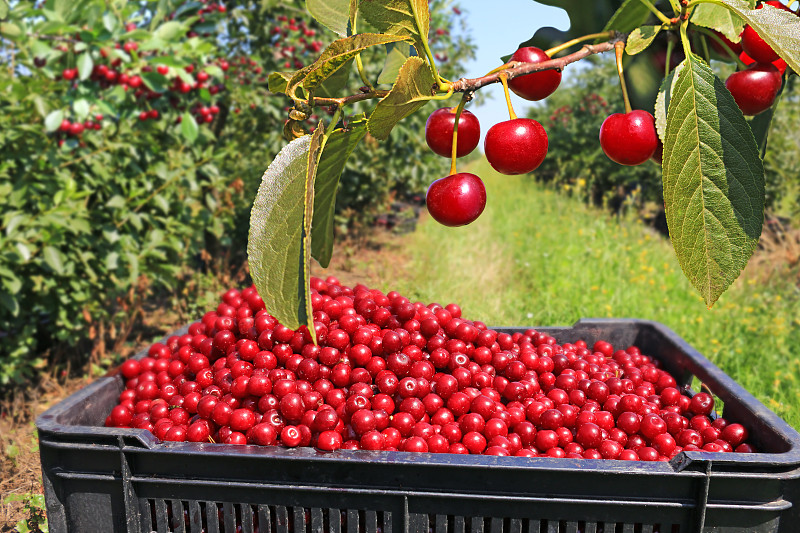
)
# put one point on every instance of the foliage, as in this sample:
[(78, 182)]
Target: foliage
[(133, 140), (575, 163), (35, 509), (712, 172)]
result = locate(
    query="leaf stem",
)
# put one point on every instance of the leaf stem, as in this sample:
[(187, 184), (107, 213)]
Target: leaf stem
[(687, 46), (619, 49), (504, 81), (423, 39), (592, 36), (454, 150), (360, 67), (670, 48), (661, 16), (723, 44)]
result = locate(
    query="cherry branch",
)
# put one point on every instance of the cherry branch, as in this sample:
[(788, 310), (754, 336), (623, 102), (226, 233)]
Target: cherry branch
[(514, 69), (517, 68)]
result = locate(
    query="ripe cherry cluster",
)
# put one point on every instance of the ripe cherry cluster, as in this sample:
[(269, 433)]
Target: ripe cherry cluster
[(515, 146), (756, 87), (390, 374)]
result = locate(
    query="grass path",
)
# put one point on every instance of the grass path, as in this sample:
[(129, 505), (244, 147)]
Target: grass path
[(539, 258)]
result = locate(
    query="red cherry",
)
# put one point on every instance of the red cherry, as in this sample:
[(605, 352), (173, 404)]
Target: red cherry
[(629, 138), (755, 88), (516, 146), (69, 74), (162, 69), (537, 85), (456, 200), (439, 132)]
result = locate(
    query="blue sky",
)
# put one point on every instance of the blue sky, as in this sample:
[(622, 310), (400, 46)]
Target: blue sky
[(497, 28)]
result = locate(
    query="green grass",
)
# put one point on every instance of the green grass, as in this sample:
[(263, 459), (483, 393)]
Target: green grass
[(538, 258)]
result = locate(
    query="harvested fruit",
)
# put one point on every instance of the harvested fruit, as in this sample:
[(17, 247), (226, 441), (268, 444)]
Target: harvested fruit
[(391, 374)]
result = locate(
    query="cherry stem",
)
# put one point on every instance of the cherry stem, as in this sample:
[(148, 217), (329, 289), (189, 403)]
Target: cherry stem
[(561, 47), (504, 81), (670, 48), (661, 16), (619, 49), (454, 150)]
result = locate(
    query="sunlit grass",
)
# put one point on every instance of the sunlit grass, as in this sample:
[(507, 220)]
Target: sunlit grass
[(539, 258)]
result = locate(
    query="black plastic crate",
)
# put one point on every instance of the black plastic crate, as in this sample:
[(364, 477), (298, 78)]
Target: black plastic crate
[(101, 479)]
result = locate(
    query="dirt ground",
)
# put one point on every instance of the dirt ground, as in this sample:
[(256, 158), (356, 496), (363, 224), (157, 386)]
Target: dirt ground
[(378, 257)]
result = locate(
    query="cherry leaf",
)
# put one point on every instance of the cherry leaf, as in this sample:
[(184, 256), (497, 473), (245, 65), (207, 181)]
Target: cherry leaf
[(662, 102), (409, 18), (719, 18), (640, 39), (337, 150), (333, 14), (779, 28), (339, 53), (713, 181), (630, 15), (279, 244), (413, 89)]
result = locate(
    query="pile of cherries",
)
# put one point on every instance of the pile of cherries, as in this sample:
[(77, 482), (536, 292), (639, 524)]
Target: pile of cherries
[(390, 374)]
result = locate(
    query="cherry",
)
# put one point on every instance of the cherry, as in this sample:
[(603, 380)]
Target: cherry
[(629, 138), (456, 200), (755, 88), (536, 85), (516, 146), (439, 132)]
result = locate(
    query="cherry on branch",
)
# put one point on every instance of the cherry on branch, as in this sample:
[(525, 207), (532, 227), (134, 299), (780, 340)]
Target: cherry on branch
[(537, 85), (439, 132), (516, 146), (456, 200), (629, 138), (755, 88)]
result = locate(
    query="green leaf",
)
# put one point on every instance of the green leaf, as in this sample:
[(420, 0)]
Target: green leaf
[(396, 55), (760, 125), (662, 102), (10, 30), (337, 150), (278, 81), (640, 39), (169, 30), (53, 259), (630, 15), (413, 89), (53, 120), (110, 21), (10, 303), (713, 181), (214, 71), (154, 81), (409, 18), (779, 28), (189, 128), (3, 9), (333, 14), (81, 108), (339, 52), (335, 84), (279, 247), (85, 66), (718, 18)]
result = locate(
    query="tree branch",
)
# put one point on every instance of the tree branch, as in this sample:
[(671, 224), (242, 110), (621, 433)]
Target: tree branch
[(514, 69), (517, 68)]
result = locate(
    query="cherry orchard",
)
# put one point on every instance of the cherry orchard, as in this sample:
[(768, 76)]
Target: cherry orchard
[(713, 178)]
